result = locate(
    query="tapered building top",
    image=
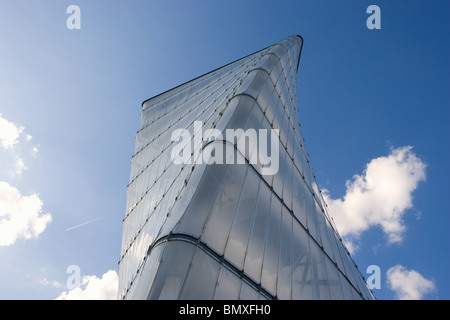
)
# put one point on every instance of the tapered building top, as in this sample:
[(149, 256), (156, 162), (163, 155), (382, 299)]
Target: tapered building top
[(222, 202)]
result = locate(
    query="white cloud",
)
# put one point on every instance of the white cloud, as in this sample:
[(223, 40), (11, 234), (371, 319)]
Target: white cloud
[(93, 288), (378, 197), (408, 284), (9, 133), (15, 147), (20, 216)]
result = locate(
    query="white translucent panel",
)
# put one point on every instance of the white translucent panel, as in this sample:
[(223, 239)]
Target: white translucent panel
[(257, 84), (298, 157), (284, 289), (281, 52), (262, 61), (315, 190), (288, 105), (323, 231), (319, 273), (348, 264), (211, 104), (278, 178), (310, 208), (333, 241), (246, 140), (201, 279), (135, 254), (271, 252), (271, 107), (287, 184), (146, 136), (148, 271), (245, 83), (363, 286), (285, 127), (291, 141), (346, 288), (284, 94), (241, 113), (172, 271), (247, 292), (279, 112), (265, 94), (360, 284), (271, 61), (255, 118), (195, 215), (253, 150), (221, 216), (226, 112), (237, 240), (298, 198), (276, 72), (302, 286), (307, 172), (181, 200), (143, 225), (334, 283), (280, 87), (188, 179), (228, 285), (271, 152), (255, 249), (355, 294)]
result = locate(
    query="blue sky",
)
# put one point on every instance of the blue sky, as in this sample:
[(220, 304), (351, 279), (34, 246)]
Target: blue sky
[(70, 107)]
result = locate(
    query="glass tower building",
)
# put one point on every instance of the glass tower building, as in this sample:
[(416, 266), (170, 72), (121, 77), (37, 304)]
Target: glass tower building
[(222, 202)]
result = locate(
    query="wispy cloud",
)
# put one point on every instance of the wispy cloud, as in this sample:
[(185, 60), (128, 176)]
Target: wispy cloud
[(51, 283), (408, 284), (94, 288), (378, 197)]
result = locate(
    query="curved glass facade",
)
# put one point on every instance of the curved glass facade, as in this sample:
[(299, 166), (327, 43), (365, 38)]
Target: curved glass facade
[(239, 217)]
